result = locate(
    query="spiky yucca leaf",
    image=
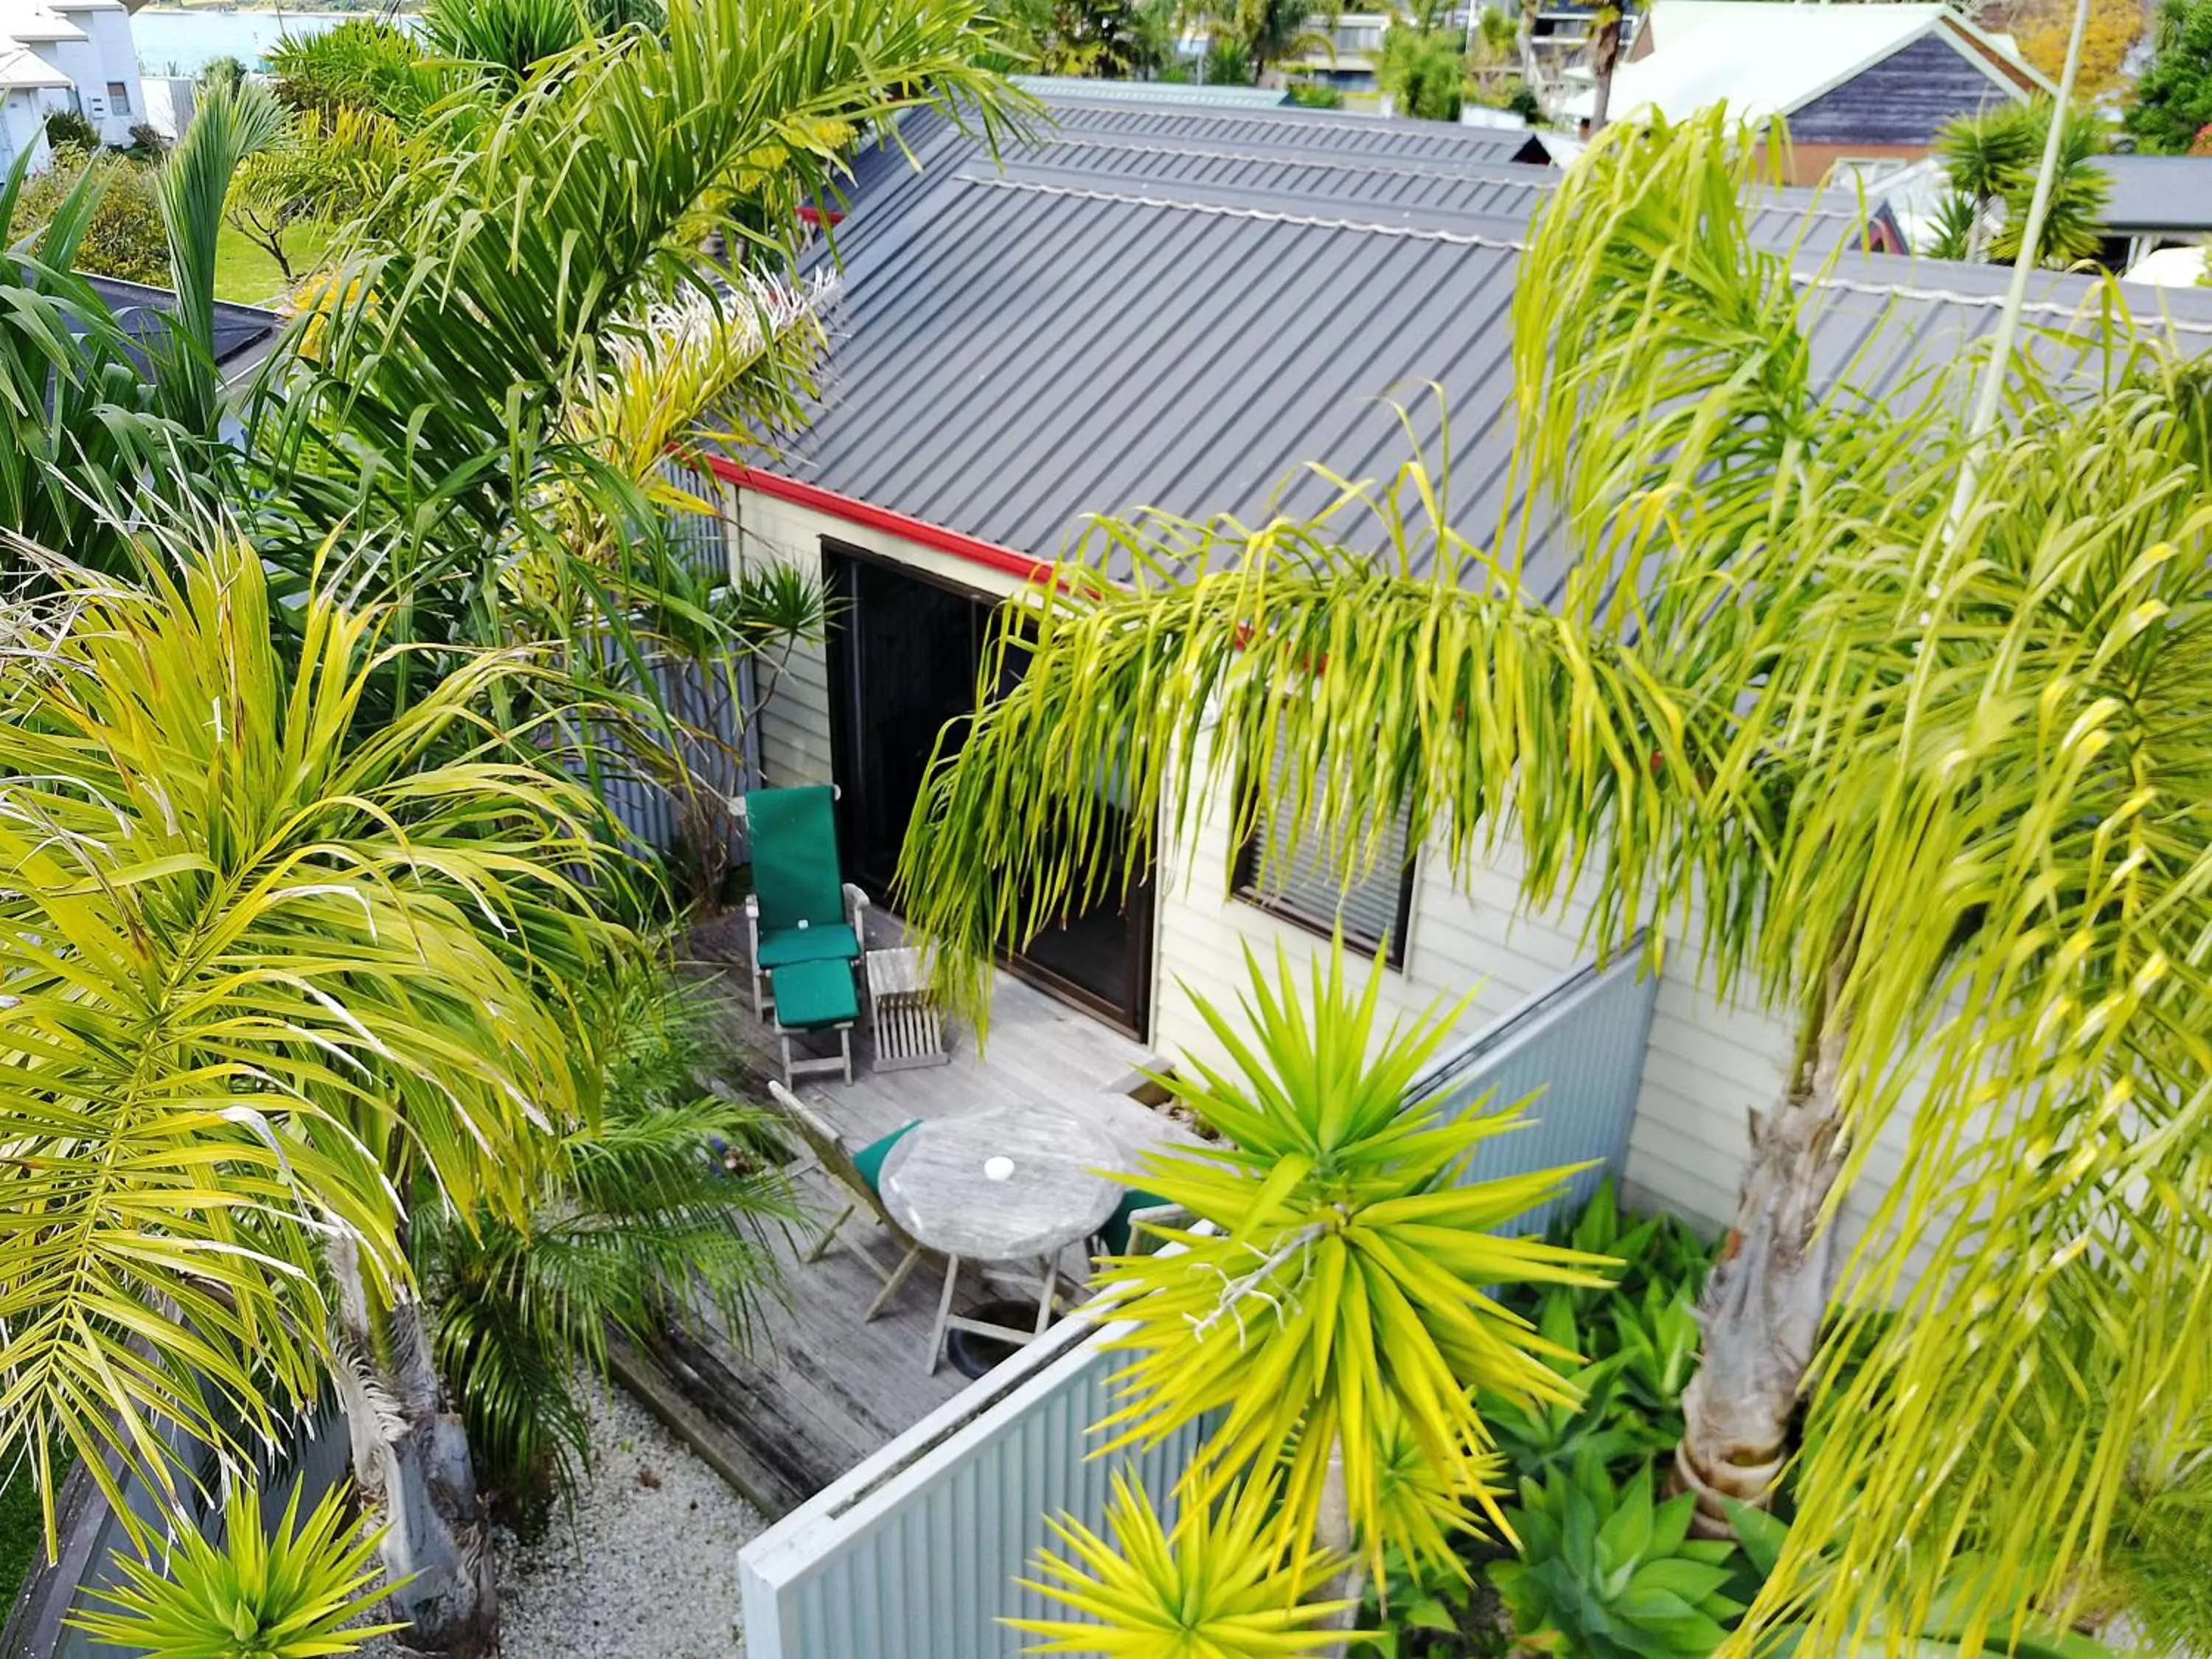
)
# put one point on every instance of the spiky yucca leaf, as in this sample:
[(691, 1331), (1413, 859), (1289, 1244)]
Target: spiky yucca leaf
[(1218, 1586), (1344, 1305), (293, 1595)]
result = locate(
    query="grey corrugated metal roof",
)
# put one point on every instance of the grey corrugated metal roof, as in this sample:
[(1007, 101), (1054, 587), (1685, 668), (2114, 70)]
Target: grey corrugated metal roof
[(1086, 329), (1215, 96), (2158, 193), (243, 334)]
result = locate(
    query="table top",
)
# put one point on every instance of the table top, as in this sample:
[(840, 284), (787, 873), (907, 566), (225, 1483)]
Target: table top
[(939, 1183)]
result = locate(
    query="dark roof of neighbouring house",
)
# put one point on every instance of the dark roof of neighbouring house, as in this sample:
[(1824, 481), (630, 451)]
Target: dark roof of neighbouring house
[(244, 335), (2158, 193), (1099, 321)]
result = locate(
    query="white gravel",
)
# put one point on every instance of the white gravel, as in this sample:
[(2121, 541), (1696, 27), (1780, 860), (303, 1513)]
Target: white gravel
[(649, 1571)]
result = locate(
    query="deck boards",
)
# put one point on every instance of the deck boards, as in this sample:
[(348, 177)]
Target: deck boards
[(814, 1391)]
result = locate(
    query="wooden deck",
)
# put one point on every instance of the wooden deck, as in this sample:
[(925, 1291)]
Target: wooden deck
[(812, 1390)]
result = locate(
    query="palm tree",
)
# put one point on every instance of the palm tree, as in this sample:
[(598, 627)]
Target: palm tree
[(537, 240), (1270, 33), (272, 971), (1604, 55), (1930, 781)]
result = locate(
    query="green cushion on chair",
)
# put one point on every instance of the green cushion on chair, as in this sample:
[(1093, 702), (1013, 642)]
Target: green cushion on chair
[(1115, 1231), (810, 995), (793, 834), (869, 1160), (831, 943)]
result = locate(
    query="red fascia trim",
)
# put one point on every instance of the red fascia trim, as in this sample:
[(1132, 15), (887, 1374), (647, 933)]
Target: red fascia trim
[(990, 555), (814, 216)]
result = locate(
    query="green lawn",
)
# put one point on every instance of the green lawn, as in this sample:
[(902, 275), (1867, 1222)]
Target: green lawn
[(247, 274), (19, 1531)]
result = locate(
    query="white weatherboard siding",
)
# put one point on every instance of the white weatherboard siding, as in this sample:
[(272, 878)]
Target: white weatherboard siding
[(1708, 1067)]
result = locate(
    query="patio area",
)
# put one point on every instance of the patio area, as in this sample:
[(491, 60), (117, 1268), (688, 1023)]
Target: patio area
[(815, 1390)]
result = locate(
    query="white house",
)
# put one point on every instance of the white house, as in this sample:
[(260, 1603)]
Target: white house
[(66, 55), (1176, 308)]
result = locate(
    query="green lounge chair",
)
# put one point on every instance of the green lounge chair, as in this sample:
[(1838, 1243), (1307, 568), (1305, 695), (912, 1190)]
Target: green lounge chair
[(800, 909)]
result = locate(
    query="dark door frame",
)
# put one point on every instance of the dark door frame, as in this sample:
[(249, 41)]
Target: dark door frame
[(842, 668)]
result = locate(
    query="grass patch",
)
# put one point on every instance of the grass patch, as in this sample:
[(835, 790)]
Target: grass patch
[(22, 1533), (244, 273)]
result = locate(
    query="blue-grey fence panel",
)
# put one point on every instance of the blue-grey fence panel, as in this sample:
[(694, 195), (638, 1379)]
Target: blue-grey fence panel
[(1578, 1049), (914, 1554)]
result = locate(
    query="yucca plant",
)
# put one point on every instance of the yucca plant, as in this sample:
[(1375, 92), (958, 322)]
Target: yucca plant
[(1343, 1303), (1217, 1585), (270, 967), (1920, 772), (301, 1591)]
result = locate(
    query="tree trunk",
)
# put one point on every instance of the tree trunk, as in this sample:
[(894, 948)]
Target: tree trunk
[(1529, 72), (1333, 1531), (411, 1462), (1604, 53), (1763, 1307)]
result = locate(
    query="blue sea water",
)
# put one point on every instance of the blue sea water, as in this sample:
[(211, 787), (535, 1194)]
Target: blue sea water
[(178, 42)]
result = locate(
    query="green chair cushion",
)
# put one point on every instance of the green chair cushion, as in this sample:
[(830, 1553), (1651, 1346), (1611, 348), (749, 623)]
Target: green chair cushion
[(1114, 1233), (793, 834), (785, 945), (810, 995), (869, 1160)]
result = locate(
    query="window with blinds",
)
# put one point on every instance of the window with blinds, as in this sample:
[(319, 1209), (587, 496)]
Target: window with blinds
[(1306, 884)]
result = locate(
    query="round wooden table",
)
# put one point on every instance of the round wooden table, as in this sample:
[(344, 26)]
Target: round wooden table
[(1008, 1184)]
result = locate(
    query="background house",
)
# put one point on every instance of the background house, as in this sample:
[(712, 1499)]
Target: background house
[(1859, 83), (2157, 202), (66, 55)]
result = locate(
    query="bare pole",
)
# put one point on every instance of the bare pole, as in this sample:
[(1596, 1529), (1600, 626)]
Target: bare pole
[(2001, 349)]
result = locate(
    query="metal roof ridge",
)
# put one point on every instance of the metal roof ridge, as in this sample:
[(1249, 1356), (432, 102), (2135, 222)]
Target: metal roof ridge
[(1907, 290), (1271, 215)]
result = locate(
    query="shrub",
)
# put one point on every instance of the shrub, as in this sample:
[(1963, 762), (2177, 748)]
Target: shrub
[(147, 143), (127, 237), (1316, 94), (67, 130), (363, 64)]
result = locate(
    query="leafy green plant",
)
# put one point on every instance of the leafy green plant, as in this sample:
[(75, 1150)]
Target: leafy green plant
[(1221, 1582), (638, 1220), (1591, 1420), (363, 63), (125, 235), (1606, 1572), (2156, 1566), (295, 1593), (2173, 101), (1946, 1629), (67, 129), (1423, 72)]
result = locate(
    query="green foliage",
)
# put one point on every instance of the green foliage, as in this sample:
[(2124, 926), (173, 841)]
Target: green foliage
[(1343, 1305), (69, 129), (363, 63), (504, 39), (294, 1593), (1423, 72), (1957, 227), (659, 1207), (1228, 62), (224, 74), (22, 1528), (1315, 94), (1109, 39), (2155, 1567), (1608, 1573), (1991, 160), (2172, 102), (266, 963), (1946, 1627), (125, 236), (1222, 1583)]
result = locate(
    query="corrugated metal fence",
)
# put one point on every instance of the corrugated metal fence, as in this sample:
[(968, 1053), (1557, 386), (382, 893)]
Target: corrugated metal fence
[(914, 1554), (1580, 1042), (705, 703)]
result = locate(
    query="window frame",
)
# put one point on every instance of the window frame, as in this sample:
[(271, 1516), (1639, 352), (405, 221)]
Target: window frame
[(1245, 889), (118, 97)]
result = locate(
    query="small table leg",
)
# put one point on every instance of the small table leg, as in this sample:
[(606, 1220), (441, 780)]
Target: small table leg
[(1047, 1282), (943, 1326)]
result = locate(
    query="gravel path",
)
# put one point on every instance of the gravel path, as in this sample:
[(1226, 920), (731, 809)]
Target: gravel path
[(657, 1576)]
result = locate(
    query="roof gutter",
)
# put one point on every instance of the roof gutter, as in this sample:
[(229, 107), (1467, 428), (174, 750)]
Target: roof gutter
[(869, 516)]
